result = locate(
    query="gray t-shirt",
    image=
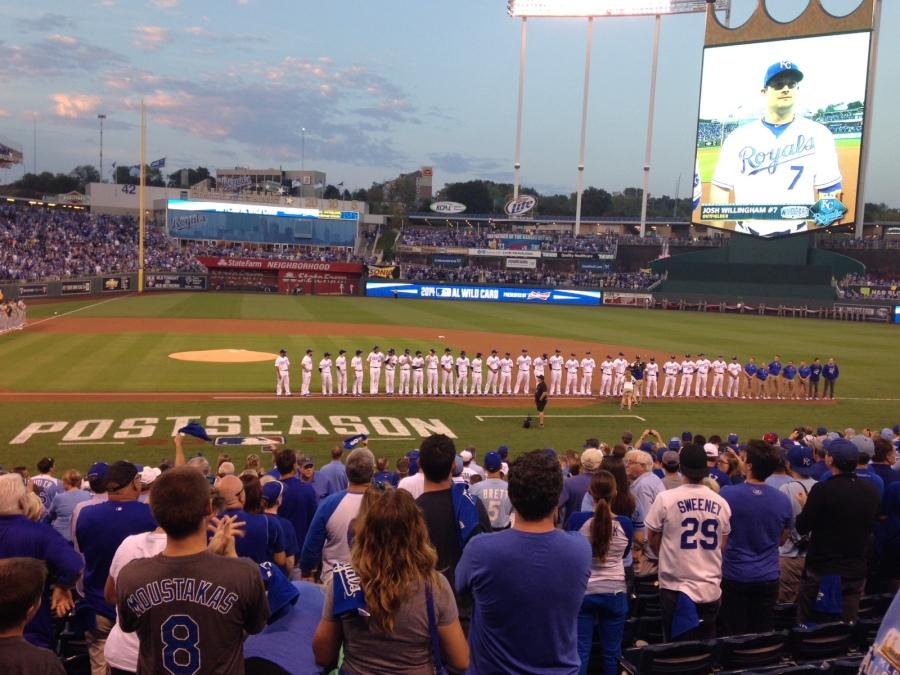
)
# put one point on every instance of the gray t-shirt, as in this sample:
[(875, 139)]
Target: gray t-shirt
[(407, 649), (494, 494), (191, 612), (790, 549)]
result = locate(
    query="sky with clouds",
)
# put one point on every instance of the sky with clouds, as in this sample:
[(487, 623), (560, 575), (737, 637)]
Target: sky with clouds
[(381, 88)]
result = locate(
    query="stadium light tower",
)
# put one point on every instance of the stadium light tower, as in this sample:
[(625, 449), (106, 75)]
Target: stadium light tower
[(591, 9), (101, 117)]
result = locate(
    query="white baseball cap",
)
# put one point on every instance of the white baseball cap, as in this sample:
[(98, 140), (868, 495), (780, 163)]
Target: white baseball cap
[(466, 456)]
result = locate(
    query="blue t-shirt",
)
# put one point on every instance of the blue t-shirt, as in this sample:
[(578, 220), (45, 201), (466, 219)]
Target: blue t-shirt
[(298, 505), (99, 531), (819, 469), (386, 477), (775, 368), (759, 516), (289, 537), (262, 536), (762, 374), (336, 473), (751, 369), (61, 509), (519, 594), (322, 486), (776, 480), (720, 476), (789, 373)]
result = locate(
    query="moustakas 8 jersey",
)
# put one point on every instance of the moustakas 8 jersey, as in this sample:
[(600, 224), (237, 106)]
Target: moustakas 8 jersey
[(778, 164)]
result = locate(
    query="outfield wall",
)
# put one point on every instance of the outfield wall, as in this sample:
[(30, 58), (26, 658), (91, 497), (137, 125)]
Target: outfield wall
[(104, 285)]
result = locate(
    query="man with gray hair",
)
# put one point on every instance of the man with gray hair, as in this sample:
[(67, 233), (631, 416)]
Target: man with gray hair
[(645, 486), (330, 534)]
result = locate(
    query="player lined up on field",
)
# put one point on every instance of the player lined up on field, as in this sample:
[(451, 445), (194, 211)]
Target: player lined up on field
[(414, 373)]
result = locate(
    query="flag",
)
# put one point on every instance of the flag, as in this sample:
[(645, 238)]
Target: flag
[(114, 165), (158, 164), (341, 184), (295, 183), (134, 171)]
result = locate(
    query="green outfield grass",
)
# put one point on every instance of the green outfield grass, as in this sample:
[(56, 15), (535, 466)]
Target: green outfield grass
[(138, 361)]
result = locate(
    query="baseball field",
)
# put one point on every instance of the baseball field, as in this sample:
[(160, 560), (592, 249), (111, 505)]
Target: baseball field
[(95, 379)]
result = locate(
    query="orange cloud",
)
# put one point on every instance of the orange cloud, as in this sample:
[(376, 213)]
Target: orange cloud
[(74, 105), (150, 38)]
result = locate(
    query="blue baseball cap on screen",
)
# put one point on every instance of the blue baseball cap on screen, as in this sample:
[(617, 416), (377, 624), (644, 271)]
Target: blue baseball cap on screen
[(780, 67)]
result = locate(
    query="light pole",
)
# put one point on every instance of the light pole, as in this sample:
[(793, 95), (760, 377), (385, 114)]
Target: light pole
[(101, 117), (302, 148)]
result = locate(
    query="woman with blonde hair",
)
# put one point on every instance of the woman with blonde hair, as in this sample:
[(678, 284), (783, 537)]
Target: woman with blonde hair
[(627, 391), (390, 608)]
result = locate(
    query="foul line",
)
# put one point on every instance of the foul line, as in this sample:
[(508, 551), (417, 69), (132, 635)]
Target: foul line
[(72, 311), (482, 418), (847, 398)]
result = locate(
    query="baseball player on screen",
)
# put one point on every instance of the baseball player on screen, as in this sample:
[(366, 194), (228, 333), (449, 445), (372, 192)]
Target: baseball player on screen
[(782, 158)]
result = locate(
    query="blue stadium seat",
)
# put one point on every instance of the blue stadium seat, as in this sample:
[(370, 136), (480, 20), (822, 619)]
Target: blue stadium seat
[(825, 641)]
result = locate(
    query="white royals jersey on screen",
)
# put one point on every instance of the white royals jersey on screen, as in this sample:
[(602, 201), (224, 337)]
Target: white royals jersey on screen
[(789, 168)]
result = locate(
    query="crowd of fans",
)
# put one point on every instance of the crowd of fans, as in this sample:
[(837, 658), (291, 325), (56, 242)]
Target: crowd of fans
[(867, 243), (473, 274), (468, 237), (444, 562), (876, 288), (242, 250)]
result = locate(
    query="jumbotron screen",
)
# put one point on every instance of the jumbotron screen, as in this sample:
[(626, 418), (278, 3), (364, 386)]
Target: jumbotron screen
[(779, 134)]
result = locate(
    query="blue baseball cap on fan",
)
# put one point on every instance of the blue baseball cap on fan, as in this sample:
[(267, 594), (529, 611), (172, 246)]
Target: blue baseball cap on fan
[(780, 67), (801, 459)]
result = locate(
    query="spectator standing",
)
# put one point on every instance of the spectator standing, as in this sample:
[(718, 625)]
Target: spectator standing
[(575, 496), (688, 528), (646, 487), (470, 466), (63, 504), (45, 485), (262, 540), (22, 582), (887, 539), (100, 530), (96, 477), (320, 482), (883, 459), (328, 540), (270, 500), (830, 374), (712, 462), (792, 553), (761, 520), (503, 570), (839, 514), (176, 633), (672, 478), (22, 538), (390, 608), (298, 501), (493, 493), (382, 475), (335, 471)]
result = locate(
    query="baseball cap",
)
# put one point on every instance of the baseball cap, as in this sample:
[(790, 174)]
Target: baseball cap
[(670, 459), (864, 444), (692, 462), (492, 461), (687, 436), (97, 470), (675, 443), (771, 438), (887, 434), (821, 431), (119, 475), (225, 469), (457, 465), (272, 490), (282, 351), (503, 451), (801, 459), (304, 461), (711, 450), (780, 67), (466, 456), (647, 446), (591, 459), (149, 474), (732, 438), (843, 450)]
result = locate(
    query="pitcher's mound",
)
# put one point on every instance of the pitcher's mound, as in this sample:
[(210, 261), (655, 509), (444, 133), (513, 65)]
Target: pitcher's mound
[(224, 356)]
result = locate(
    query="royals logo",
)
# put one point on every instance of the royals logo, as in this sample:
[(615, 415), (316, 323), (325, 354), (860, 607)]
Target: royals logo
[(753, 161)]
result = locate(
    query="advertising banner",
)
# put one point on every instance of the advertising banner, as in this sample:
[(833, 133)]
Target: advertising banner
[(595, 265), (113, 284), (32, 290), (639, 299), (504, 253), (212, 262), (865, 312), (448, 260), (75, 288), (521, 263), (175, 282), (534, 296), (382, 271)]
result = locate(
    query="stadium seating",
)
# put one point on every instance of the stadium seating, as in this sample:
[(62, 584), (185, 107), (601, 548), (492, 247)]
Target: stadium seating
[(752, 651), (825, 641)]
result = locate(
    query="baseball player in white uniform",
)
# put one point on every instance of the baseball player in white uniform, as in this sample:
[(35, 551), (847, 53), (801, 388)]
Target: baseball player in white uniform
[(572, 364), (506, 365), (493, 374), (282, 374), (447, 373), (356, 364), (606, 375), (556, 364), (538, 364), (476, 375), (780, 159), (462, 374), (390, 371), (671, 369), (325, 374), (587, 374), (405, 363), (306, 367), (620, 364), (418, 373), (524, 364), (341, 364), (703, 365), (718, 369), (651, 377), (734, 378), (431, 363), (374, 359), (687, 375)]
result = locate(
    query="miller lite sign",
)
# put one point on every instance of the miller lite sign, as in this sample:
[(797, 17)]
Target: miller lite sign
[(520, 205)]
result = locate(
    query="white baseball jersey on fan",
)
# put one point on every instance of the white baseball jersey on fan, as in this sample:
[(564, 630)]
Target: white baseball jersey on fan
[(787, 166), (693, 520), (587, 374), (572, 376), (341, 364), (687, 375), (446, 374), (524, 364), (493, 376), (375, 359), (651, 373), (404, 361), (556, 363), (506, 365), (306, 366), (476, 376), (718, 368), (671, 369), (283, 374), (431, 361), (734, 379), (462, 373), (326, 375), (356, 363), (418, 377)]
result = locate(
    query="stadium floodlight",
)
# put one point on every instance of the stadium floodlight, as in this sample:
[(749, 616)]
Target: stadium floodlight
[(602, 8)]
